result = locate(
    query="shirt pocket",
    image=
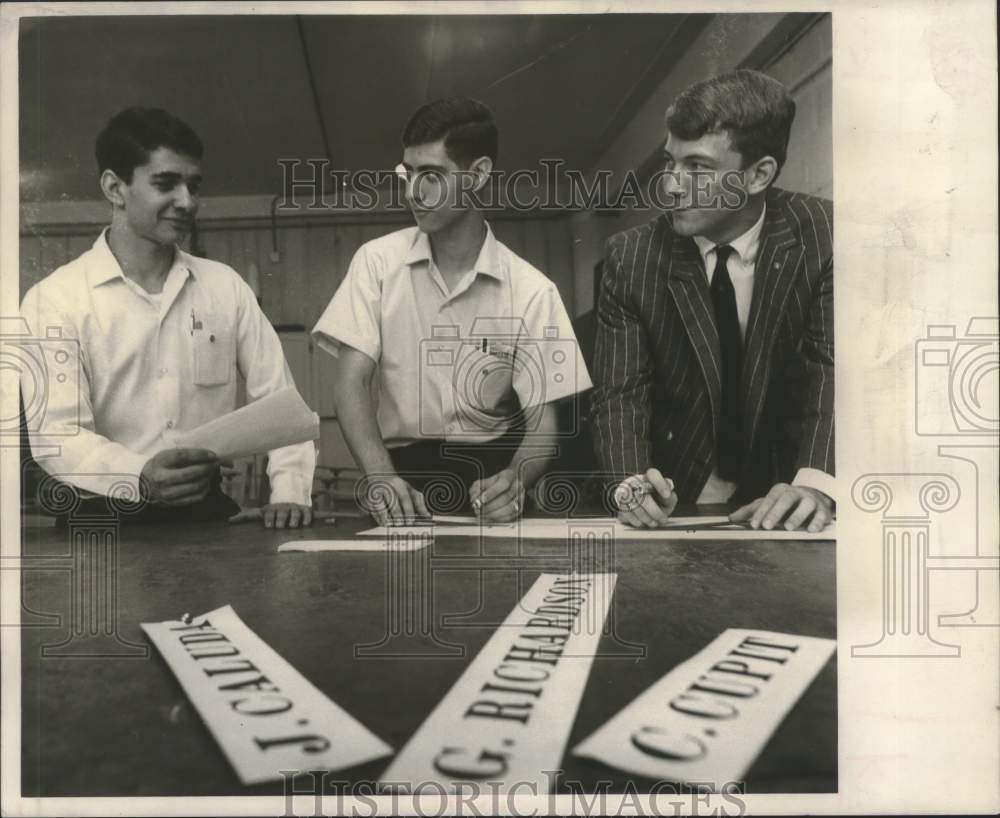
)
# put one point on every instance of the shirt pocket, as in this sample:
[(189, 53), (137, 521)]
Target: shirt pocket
[(213, 352)]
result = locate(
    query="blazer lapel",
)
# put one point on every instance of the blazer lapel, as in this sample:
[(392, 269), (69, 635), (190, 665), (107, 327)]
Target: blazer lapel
[(774, 276), (689, 288)]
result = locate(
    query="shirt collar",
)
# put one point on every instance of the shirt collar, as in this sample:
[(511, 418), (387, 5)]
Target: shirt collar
[(103, 267), (745, 245), (486, 262)]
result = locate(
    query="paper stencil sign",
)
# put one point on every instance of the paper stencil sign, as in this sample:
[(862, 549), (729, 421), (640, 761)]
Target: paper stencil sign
[(413, 542), (551, 528), (507, 719), (709, 718), (263, 713)]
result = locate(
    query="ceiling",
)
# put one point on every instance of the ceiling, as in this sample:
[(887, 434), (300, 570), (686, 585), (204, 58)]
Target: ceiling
[(260, 88)]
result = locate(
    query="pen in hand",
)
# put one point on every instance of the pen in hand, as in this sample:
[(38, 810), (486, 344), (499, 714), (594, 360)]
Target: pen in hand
[(645, 500)]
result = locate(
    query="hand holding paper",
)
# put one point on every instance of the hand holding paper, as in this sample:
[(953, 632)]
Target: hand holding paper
[(280, 419), (179, 477)]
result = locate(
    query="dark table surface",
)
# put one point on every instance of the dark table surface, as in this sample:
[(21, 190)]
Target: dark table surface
[(119, 724)]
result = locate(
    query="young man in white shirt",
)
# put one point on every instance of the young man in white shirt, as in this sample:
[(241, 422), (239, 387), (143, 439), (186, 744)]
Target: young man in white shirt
[(161, 335), (466, 346)]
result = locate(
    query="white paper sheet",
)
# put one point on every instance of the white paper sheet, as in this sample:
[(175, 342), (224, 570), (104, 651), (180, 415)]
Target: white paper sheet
[(549, 528), (448, 519), (370, 544), (264, 714), (456, 519), (508, 717), (279, 419), (709, 718)]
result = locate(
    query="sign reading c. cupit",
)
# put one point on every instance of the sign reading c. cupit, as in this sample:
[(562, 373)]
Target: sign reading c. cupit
[(709, 717)]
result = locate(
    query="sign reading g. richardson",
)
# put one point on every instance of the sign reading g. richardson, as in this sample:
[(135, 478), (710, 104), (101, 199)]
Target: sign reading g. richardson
[(266, 716), (708, 718), (507, 719)]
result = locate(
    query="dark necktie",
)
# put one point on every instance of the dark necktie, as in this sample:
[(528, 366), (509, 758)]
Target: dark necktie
[(729, 443)]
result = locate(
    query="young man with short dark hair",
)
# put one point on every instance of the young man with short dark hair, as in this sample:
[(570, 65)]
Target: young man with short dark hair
[(714, 350), (162, 335), (452, 332)]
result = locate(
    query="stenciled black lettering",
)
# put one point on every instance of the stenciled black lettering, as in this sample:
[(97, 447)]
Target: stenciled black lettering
[(702, 707), (489, 687), (547, 638), (542, 655), (487, 709), (455, 762), (752, 641), (214, 653), (657, 742), (261, 684), (738, 668), (509, 676), (195, 638), (557, 610), (573, 582), (725, 687), (311, 743), (202, 626), (283, 705), (246, 665), (556, 623)]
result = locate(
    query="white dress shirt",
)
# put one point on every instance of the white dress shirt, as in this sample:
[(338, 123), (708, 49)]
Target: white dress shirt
[(141, 368), (741, 264), (451, 361)]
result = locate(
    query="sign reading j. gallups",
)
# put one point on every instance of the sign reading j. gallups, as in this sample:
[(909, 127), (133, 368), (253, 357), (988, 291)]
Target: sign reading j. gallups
[(507, 719), (263, 713), (708, 718)]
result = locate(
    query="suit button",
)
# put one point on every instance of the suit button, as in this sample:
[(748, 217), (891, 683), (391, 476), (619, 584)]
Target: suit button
[(670, 436)]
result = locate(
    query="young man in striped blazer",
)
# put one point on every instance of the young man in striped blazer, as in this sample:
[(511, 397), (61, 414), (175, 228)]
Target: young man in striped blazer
[(714, 353)]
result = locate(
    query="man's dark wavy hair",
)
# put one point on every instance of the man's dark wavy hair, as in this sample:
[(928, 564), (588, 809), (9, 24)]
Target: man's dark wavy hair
[(466, 125), (754, 109), (133, 134)]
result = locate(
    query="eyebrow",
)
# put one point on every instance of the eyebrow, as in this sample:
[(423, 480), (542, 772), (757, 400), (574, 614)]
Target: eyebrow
[(172, 176), (441, 168), (704, 157)]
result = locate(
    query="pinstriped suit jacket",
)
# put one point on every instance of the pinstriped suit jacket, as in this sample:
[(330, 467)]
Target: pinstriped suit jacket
[(656, 362)]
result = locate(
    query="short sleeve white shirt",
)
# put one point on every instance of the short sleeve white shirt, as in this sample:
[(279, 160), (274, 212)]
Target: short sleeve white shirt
[(450, 363)]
